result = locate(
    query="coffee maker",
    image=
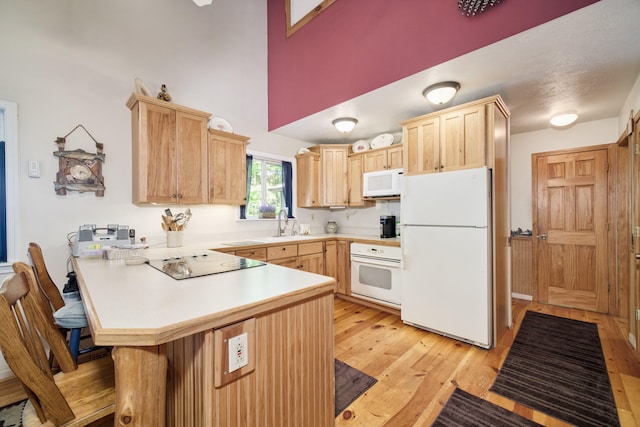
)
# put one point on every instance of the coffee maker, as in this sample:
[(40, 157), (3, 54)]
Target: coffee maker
[(387, 226)]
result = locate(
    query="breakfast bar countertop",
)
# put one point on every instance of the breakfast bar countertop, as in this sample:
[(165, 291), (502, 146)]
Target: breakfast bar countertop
[(139, 305)]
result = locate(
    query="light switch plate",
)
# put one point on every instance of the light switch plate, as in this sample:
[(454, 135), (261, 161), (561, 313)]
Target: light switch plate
[(34, 169)]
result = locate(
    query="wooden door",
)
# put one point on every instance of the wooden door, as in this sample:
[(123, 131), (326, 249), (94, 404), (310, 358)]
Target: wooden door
[(394, 157), (334, 175), (343, 269), (227, 168), (634, 270), (421, 144), (570, 226), (375, 161), (313, 263), (191, 158), (463, 139), (308, 176), (155, 155), (355, 181)]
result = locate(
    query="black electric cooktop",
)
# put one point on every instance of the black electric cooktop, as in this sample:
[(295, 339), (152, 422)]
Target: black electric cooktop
[(186, 267)]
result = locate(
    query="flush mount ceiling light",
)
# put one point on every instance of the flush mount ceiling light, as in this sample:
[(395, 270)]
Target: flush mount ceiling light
[(563, 119), (441, 93), (202, 2), (345, 124)]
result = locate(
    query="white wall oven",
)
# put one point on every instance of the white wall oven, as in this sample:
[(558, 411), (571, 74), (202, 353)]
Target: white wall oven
[(375, 273)]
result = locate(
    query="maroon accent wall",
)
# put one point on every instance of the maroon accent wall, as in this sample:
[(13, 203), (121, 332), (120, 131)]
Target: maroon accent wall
[(356, 46)]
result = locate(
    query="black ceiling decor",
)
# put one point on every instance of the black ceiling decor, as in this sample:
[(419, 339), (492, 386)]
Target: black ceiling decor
[(473, 7)]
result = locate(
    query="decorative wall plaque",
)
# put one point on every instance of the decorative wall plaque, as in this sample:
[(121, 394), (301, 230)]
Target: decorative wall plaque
[(78, 170)]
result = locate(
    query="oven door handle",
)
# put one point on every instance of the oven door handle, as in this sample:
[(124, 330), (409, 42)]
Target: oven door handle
[(377, 262)]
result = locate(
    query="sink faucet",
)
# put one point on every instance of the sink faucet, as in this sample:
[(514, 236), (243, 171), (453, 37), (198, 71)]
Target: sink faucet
[(281, 229)]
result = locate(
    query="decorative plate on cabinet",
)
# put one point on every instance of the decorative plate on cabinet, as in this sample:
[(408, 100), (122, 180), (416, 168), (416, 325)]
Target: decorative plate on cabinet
[(219, 123), (360, 146), (142, 88), (383, 140)]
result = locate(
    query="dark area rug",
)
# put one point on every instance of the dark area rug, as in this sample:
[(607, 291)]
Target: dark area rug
[(466, 410), (556, 366), (350, 384), (11, 416)]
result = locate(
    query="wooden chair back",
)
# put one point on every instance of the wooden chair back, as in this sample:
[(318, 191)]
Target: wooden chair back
[(21, 267), (47, 285), (25, 329)]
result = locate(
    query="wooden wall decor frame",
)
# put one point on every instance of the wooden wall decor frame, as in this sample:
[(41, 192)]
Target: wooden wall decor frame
[(293, 27), (78, 170)]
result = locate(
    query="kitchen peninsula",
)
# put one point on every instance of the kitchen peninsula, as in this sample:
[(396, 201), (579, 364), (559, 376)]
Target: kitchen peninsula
[(169, 355)]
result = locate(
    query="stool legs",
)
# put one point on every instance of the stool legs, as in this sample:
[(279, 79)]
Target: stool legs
[(74, 342)]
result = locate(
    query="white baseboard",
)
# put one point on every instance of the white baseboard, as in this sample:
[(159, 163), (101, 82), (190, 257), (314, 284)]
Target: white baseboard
[(521, 296)]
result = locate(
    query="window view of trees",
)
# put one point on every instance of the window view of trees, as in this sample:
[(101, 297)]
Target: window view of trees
[(266, 187)]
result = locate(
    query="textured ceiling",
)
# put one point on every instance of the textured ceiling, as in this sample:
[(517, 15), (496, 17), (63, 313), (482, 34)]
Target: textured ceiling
[(586, 61)]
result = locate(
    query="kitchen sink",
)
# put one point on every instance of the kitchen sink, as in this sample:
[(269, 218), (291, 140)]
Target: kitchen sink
[(287, 238), (272, 239)]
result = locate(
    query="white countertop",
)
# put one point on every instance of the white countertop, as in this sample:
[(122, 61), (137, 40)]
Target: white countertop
[(226, 244), (139, 305)]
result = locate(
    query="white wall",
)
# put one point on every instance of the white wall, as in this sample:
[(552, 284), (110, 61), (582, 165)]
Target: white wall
[(66, 62), (525, 144)]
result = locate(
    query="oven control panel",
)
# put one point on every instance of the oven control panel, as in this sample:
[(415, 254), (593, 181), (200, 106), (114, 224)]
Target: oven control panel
[(376, 251)]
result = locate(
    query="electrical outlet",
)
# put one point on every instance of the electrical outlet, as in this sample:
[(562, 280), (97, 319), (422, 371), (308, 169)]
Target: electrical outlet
[(238, 352), (638, 314)]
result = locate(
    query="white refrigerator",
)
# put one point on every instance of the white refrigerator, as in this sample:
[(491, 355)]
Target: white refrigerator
[(447, 268)]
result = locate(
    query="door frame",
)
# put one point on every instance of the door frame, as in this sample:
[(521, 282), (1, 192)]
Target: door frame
[(618, 224)]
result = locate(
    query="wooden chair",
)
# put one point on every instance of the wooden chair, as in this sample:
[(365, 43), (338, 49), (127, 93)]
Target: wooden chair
[(57, 302), (79, 395)]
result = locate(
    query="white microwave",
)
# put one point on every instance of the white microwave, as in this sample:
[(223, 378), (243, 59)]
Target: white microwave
[(384, 183)]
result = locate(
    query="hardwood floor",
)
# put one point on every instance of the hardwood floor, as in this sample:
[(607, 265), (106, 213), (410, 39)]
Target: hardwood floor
[(417, 370)]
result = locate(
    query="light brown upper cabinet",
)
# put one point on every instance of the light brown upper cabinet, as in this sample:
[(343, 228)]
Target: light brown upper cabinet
[(308, 180), (227, 168), (169, 152), (460, 137), (334, 166), (383, 158), (356, 166)]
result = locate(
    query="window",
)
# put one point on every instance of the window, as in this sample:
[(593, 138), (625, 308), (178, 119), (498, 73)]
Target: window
[(8, 185), (269, 183)]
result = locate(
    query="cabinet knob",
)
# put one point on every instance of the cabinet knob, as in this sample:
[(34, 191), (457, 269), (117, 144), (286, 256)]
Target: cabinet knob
[(435, 168), (542, 236), (441, 166)]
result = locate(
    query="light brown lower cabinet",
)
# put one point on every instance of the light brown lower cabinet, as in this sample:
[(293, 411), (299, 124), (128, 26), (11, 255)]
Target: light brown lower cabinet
[(338, 265), (303, 256), (330, 258)]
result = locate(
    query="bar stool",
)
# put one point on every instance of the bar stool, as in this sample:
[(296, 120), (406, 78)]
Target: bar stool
[(68, 310)]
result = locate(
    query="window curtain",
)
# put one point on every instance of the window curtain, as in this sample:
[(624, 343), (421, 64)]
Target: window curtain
[(287, 187), (3, 206), (243, 208)]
